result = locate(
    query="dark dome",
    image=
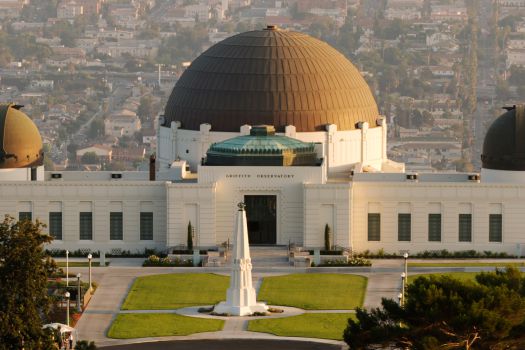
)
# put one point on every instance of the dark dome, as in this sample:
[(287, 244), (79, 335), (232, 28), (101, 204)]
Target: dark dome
[(271, 77), (504, 145), (20, 141)]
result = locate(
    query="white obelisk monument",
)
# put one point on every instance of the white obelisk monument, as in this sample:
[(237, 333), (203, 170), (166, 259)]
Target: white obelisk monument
[(240, 298)]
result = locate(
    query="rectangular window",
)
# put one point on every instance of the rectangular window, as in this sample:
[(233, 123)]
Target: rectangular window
[(495, 231), (115, 226), (146, 226), (55, 225), (25, 215), (465, 227), (86, 225), (404, 227), (434, 227), (374, 226)]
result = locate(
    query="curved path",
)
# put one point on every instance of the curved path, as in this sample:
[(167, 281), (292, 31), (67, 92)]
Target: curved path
[(237, 344)]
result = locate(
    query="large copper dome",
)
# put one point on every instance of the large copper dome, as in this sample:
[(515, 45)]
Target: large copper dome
[(20, 141), (272, 77)]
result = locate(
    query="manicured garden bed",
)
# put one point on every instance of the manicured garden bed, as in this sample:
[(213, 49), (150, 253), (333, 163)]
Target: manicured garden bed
[(127, 326), (80, 264), (173, 291), (318, 325), (155, 261), (466, 264), (314, 291)]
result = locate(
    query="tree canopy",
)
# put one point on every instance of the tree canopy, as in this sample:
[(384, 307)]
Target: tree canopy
[(24, 268), (445, 313), (89, 158)]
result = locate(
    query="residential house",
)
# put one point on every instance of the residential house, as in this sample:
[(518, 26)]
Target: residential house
[(516, 57), (134, 48), (199, 11), (104, 153), (122, 123), (69, 9), (10, 9), (90, 7)]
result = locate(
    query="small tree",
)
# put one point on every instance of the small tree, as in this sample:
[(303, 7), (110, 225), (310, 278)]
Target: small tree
[(190, 236), (446, 313), (327, 238), (89, 158), (24, 269)]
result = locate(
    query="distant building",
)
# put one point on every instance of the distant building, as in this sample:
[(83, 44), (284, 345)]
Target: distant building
[(42, 84), (69, 9), (199, 11), (124, 15), (65, 56), (87, 44), (403, 13), (10, 9), (448, 13), (129, 154), (122, 123), (134, 48), (516, 44), (512, 3), (115, 34), (90, 7), (104, 153), (516, 57)]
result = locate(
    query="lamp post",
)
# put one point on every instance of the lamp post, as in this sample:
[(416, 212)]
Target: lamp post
[(67, 295), (67, 268), (79, 309), (89, 259), (403, 281), (406, 265), (400, 298)]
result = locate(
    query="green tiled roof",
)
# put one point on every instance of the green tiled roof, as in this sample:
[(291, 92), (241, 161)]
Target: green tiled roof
[(263, 145)]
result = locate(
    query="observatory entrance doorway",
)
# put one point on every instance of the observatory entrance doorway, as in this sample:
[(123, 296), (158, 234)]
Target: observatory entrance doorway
[(261, 212)]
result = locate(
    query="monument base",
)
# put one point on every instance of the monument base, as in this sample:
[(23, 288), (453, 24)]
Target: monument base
[(224, 308)]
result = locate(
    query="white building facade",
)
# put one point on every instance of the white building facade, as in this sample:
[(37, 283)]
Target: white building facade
[(326, 165)]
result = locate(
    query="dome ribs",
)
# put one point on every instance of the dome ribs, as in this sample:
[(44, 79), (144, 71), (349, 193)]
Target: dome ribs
[(272, 76)]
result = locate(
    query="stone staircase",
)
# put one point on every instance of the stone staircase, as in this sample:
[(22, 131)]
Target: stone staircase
[(269, 256)]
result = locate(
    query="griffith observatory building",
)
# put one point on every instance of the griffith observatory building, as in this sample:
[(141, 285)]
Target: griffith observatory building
[(286, 124)]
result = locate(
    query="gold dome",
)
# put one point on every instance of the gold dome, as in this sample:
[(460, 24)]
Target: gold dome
[(273, 77), (20, 141)]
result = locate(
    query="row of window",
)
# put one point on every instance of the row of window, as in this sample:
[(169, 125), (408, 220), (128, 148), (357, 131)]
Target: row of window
[(404, 227), (86, 225)]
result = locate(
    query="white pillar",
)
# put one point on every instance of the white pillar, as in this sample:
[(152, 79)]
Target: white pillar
[(240, 297)]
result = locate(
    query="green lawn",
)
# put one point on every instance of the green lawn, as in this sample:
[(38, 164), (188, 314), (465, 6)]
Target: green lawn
[(326, 326), (314, 291), (462, 276), (467, 264), (79, 264), (174, 291), (128, 326)]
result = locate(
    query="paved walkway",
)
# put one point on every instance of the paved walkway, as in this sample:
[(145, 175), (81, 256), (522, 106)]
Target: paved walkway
[(224, 344), (114, 283)]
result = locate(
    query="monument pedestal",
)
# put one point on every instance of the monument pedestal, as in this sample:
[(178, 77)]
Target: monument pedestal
[(224, 308)]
